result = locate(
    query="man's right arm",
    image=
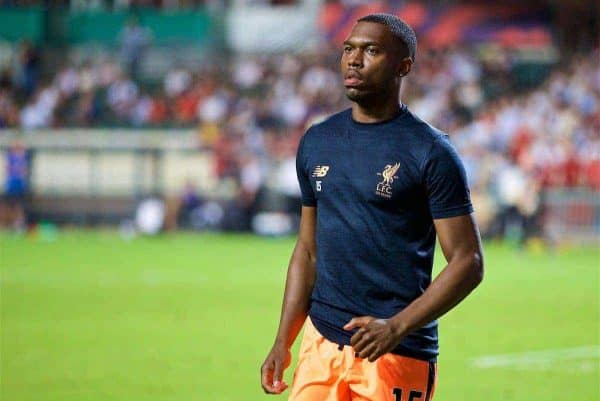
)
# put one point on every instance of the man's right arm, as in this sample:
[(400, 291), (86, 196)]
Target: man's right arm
[(298, 289)]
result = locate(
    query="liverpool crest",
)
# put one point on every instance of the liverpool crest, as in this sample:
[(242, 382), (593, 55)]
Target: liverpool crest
[(384, 188)]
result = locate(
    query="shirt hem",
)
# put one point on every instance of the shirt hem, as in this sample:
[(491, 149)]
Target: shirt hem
[(399, 350)]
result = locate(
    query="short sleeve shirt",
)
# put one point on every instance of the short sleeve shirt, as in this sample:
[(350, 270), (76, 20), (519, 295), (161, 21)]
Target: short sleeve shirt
[(377, 189)]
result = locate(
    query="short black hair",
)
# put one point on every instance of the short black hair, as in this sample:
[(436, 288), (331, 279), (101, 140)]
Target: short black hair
[(400, 29)]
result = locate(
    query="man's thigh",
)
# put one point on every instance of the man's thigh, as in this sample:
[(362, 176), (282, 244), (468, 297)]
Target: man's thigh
[(320, 370), (393, 378)]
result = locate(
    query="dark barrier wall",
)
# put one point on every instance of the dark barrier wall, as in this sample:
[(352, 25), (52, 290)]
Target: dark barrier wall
[(104, 27), (19, 23), (62, 27)]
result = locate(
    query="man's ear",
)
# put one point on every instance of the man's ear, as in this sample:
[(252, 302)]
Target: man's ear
[(405, 66)]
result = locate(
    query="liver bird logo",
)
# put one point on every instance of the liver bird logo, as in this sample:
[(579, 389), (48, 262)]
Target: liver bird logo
[(389, 173)]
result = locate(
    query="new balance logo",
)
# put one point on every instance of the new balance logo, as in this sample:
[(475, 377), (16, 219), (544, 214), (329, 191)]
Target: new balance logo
[(320, 171)]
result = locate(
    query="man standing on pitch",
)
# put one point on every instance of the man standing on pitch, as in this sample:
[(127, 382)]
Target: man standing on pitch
[(377, 185)]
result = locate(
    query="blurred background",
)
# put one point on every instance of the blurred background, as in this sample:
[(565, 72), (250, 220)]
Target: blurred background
[(121, 119), (199, 105)]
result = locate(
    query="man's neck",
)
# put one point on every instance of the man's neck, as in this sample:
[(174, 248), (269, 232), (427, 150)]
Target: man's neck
[(375, 113)]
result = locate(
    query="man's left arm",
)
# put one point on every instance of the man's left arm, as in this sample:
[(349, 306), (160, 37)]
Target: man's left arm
[(461, 245)]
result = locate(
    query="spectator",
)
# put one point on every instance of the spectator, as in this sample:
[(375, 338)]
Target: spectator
[(134, 41), (16, 187), (29, 66), (122, 96), (9, 112)]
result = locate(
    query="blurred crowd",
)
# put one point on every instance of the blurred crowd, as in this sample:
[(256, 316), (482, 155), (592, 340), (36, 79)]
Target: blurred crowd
[(251, 112), (133, 4), (549, 137)]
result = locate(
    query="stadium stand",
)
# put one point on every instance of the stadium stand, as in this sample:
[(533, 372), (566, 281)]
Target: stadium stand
[(520, 128)]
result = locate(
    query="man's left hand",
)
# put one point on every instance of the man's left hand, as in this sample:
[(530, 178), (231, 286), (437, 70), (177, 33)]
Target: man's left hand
[(374, 337)]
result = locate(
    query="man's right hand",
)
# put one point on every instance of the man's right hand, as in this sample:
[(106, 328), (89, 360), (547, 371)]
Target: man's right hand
[(299, 284), (271, 372)]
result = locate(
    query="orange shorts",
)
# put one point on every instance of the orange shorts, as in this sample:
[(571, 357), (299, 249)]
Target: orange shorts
[(328, 372)]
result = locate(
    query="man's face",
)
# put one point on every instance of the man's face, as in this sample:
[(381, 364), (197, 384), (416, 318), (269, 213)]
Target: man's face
[(371, 62)]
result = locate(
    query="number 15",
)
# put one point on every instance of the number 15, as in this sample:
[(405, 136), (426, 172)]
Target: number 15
[(412, 396)]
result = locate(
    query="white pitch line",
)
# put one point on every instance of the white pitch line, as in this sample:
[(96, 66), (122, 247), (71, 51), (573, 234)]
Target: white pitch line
[(523, 359)]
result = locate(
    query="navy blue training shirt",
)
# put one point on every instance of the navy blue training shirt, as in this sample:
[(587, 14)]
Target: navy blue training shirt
[(377, 188)]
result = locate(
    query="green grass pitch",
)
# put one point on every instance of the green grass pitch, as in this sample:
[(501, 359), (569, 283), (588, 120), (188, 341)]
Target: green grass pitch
[(89, 316)]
